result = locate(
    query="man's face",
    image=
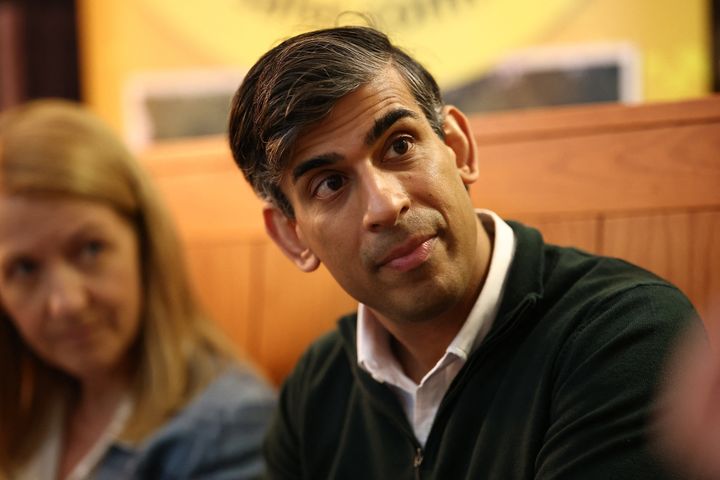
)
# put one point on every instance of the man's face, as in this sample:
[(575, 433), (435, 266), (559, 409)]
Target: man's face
[(381, 200)]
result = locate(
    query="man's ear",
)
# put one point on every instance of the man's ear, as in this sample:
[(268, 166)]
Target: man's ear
[(459, 137), (283, 231)]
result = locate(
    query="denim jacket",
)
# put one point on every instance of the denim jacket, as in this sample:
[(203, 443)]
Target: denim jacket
[(217, 436)]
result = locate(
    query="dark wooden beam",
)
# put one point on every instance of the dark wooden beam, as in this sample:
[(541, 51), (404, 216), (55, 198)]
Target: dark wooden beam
[(38, 50), (715, 30)]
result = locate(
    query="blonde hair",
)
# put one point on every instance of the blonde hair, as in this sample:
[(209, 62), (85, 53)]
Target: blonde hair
[(56, 147)]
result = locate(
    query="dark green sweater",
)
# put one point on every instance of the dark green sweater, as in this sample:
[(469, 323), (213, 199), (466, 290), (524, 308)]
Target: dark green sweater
[(562, 387)]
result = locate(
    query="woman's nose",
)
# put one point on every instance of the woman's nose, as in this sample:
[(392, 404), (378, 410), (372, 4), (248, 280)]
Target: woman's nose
[(66, 292)]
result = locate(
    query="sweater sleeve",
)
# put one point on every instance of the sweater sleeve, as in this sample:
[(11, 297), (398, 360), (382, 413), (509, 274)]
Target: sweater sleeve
[(607, 377)]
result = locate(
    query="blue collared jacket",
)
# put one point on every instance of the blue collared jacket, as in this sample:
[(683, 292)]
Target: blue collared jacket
[(217, 436)]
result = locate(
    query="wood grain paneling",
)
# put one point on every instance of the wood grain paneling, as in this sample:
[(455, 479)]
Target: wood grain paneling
[(214, 206), (705, 276), (205, 190), (610, 172), (705, 247), (297, 308), (568, 121), (681, 247), (583, 233), (223, 276)]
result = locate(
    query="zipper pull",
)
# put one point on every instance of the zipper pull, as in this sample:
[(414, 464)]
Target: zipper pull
[(417, 461)]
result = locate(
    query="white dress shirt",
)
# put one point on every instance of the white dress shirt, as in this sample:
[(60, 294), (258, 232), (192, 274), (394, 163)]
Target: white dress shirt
[(421, 401)]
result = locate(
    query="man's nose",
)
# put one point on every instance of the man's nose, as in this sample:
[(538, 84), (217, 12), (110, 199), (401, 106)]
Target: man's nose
[(386, 198), (66, 292)]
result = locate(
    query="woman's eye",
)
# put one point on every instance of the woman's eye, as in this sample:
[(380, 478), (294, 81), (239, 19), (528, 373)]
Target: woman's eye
[(21, 269), (91, 249), (400, 146), (328, 186)]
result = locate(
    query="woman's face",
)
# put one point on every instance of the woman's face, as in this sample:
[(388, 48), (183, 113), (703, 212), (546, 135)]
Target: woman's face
[(70, 282)]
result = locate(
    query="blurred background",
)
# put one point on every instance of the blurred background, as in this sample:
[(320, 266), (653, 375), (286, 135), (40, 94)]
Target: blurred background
[(159, 69), (637, 182)]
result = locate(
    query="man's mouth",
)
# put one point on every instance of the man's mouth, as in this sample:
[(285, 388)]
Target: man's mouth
[(410, 254)]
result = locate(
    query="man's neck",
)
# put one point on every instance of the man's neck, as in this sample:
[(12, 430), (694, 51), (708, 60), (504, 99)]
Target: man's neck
[(419, 347)]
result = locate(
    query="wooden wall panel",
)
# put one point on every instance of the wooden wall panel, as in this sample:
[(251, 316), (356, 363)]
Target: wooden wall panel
[(205, 191), (223, 278), (214, 206), (705, 277), (673, 167), (681, 247), (582, 233), (297, 307), (577, 120), (704, 258), (658, 242)]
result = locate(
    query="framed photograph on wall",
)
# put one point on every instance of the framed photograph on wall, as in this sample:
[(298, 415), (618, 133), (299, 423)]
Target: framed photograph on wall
[(551, 76), (166, 105)]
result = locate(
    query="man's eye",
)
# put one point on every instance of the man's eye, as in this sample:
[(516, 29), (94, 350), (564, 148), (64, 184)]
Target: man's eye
[(400, 146), (328, 186)]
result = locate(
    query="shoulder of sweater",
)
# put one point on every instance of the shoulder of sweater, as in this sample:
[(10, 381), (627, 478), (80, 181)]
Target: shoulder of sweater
[(324, 350), (584, 266), (326, 357), (565, 262)]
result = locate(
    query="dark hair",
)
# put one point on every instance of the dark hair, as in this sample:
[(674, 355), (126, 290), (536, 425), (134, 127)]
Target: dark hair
[(298, 82)]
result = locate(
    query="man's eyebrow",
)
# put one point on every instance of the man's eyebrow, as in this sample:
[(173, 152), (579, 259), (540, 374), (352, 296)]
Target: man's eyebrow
[(313, 163), (380, 126), (383, 123)]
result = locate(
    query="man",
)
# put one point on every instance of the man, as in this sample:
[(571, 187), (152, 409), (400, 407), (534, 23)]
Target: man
[(477, 351)]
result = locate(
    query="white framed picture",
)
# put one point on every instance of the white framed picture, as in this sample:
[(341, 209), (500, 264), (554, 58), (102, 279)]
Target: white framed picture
[(554, 75), (165, 105)]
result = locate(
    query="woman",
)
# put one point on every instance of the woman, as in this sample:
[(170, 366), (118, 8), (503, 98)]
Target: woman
[(109, 369)]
